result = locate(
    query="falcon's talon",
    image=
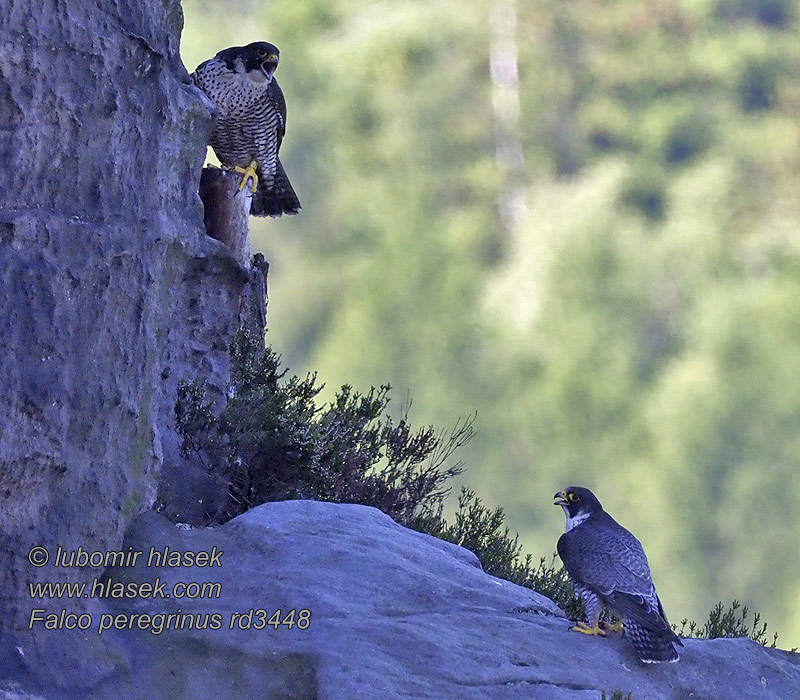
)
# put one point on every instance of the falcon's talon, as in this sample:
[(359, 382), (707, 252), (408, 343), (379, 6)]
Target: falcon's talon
[(618, 626), (594, 630), (247, 173)]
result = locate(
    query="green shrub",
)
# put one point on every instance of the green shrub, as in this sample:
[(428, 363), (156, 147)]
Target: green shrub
[(273, 442), (729, 623)]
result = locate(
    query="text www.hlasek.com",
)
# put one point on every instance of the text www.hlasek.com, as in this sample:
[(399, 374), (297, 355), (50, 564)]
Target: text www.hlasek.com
[(111, 589)]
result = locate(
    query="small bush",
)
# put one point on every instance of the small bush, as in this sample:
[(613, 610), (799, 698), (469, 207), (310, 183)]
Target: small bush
[(273, 442), (729, 623)]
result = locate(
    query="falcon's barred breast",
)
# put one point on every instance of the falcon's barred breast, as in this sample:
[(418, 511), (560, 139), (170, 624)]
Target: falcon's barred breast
[(609, 569), (250, 121)]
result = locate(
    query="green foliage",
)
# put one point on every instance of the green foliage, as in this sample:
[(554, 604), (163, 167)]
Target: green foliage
[(273, 442), (732, 622), (645, 193), (688, 138), (551, 580), (478, 528), (758, 84), (775, 13)]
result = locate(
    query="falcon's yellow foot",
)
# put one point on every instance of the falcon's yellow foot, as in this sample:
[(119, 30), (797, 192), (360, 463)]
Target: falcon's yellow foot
[(616, 627), (583, 628), (247, 173)]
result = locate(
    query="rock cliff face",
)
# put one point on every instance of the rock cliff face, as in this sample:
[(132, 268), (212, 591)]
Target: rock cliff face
[(112, 293)]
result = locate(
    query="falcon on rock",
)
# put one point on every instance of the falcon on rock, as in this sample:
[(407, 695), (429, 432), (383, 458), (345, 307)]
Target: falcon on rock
[(608, 568), (250, 122)]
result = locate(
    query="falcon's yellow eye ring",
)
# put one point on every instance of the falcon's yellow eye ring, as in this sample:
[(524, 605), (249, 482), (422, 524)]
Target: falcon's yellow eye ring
[(573, 497), (262, 52)]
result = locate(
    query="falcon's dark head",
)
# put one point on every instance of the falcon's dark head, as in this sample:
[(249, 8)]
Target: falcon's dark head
[(578, 504), (257, 60)]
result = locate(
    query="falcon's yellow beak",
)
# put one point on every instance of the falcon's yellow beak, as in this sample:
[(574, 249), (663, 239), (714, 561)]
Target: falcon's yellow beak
[(560, 499)]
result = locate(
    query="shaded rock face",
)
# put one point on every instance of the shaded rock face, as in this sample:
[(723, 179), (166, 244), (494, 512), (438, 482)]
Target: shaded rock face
[(112, 293), (205, 317), (219, 294), (392, 614)]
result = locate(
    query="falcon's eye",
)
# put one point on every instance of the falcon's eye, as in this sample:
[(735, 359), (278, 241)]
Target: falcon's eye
[(573, 497), (262, 52)]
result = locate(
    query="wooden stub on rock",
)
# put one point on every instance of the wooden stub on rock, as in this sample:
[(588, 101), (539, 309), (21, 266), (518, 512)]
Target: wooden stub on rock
[(227, 210)]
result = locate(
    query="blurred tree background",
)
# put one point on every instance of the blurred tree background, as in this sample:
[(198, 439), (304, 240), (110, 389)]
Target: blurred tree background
[(582, 220)]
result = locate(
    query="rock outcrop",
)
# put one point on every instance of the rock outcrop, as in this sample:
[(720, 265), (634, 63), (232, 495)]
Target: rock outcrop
[(392, 613), (112, 292)]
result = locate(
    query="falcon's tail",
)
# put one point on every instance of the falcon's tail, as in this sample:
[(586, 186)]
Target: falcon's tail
[(276, 200), (648, 628), (652, 646)]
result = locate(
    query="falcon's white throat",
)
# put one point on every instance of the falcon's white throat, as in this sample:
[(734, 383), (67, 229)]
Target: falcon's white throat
[(258, 76), (575, 520)]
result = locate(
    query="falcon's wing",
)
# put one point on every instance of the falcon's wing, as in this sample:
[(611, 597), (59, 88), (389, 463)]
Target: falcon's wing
[(603, 555), (275, 95)]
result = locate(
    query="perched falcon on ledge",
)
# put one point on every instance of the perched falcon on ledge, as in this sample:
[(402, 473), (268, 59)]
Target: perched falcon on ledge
[(250, 122), (609, 569)]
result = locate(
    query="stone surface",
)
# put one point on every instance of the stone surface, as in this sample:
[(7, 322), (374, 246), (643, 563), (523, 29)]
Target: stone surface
[(205, 318), (112, 293), (394, 614)]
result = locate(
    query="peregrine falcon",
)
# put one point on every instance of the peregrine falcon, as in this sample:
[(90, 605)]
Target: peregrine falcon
[(250, 122), (609, 569)]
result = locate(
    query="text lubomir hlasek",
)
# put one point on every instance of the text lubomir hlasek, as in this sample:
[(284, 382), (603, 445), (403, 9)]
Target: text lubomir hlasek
[(165, 557)]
